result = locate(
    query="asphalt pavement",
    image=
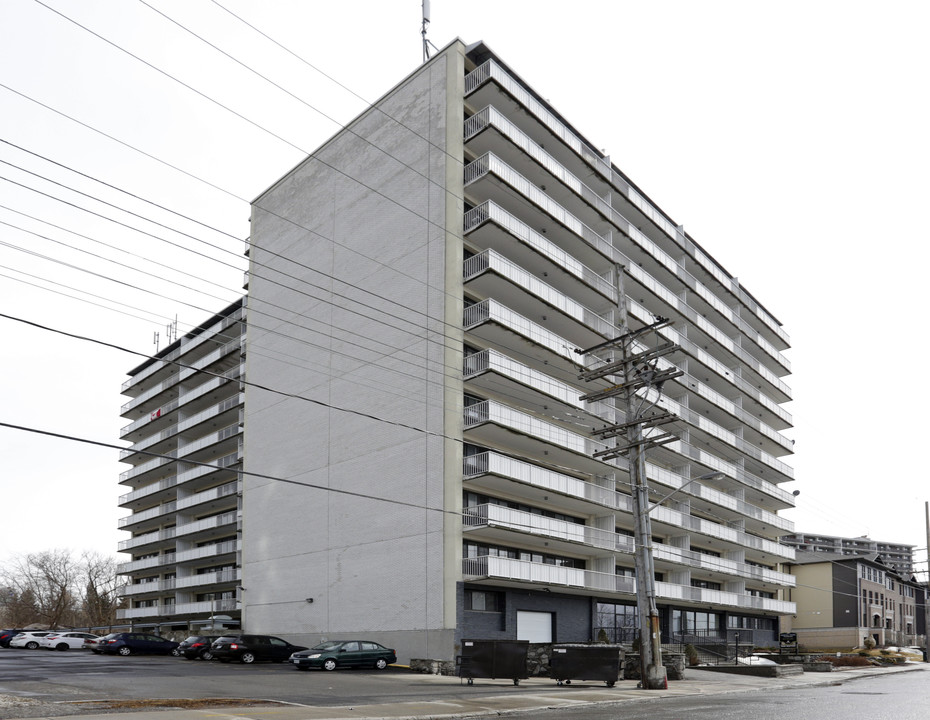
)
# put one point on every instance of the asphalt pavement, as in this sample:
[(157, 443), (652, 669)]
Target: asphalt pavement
[(544, 694)]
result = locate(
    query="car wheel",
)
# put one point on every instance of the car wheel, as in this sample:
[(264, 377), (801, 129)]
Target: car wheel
[(329, 664), (206, 655), (247, 658), (32, 645), (381, 663), (175, 652), (62, 646), (125, 650)]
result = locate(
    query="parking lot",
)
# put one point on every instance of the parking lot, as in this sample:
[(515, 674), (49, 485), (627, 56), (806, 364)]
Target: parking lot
[(75, 676)]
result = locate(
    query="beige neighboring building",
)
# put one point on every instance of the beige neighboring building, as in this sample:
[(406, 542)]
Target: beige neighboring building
[(842, 600)]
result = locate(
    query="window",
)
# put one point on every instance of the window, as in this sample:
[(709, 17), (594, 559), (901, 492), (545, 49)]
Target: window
[(693, 622), (706, 584), (484, 601), (617, 621)]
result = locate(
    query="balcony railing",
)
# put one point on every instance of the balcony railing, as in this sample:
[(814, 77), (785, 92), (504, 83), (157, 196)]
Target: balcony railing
[(207, 495), (490, 515), (229, 518), (513, 570), (154, 512)]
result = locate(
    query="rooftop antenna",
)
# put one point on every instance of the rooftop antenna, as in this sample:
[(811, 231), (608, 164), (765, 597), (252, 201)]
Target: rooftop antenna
[(172, 330), (426, 42), (155, 340)]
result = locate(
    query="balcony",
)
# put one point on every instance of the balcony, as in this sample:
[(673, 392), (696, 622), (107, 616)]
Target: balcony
[(499, 524), (207, 497), (157, 513), (208, 607), (211, 523), (153, 538), (510, 572), (154, 492), (496, 473)]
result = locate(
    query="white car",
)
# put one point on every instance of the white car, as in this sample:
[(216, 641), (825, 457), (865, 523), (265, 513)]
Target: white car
[(28, 640), (66, 640)]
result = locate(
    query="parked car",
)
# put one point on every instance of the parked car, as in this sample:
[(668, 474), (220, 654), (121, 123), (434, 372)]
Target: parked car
[(197, 646), (65, 640), (344, 653), (7, 635), (91, 643), (249, 648), (134, 643), (28, 639)]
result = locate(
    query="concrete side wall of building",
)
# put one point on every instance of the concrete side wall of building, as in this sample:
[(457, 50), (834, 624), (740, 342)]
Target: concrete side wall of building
[(352, 396)]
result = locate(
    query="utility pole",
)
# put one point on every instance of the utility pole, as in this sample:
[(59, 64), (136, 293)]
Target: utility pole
[(632, 367), (927, 590)]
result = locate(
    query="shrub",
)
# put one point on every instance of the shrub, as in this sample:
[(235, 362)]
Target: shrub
[(845, 660), (602, 636), (692, 654)]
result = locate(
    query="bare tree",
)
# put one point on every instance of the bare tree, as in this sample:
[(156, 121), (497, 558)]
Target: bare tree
[(100, 599), (54, 589)]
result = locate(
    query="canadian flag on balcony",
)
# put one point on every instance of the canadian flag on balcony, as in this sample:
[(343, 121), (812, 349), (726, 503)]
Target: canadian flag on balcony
[(156, 414)]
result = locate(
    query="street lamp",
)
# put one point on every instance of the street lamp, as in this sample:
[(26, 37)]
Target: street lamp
[(707, 476)]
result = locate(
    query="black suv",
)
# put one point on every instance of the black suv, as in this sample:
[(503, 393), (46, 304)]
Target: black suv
[(197, 646), (249, 648)]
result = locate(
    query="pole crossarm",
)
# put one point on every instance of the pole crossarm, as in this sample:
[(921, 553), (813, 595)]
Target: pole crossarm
[(645, 380), (660, 323), (644, 444), (620, 365), (651, 421)]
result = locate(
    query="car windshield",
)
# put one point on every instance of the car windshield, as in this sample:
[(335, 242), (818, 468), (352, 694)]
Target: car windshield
[(327, 646)]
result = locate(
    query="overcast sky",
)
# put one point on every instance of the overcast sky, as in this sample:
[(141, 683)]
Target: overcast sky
[(790, 139)]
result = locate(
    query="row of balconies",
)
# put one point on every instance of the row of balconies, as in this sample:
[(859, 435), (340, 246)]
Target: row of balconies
[(199, 553), (491, 117), (209, 607), (723, 375), (539, 437), (186, 476), (501, 570), (205, 580), (490, 165), (215, 522), (537, 116), (563, 536), (528, 381)]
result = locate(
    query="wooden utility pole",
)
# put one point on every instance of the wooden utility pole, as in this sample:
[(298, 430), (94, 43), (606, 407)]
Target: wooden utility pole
[(636, 381)]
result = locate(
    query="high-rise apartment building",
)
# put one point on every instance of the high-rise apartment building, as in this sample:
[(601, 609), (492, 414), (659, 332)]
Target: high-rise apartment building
[(898, 556), (417, 465)]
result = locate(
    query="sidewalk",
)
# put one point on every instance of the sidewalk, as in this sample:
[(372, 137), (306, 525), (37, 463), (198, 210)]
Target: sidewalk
[(547, 694)]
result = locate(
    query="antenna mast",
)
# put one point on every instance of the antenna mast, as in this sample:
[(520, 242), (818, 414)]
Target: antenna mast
[(426, 43)]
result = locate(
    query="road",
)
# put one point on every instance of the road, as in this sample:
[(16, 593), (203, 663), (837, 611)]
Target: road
[(60, 680), (904, 696)]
